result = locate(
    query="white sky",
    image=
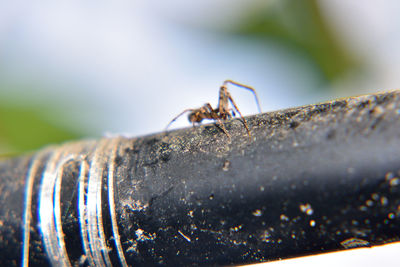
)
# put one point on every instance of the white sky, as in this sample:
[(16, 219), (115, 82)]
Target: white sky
[(130, 66)]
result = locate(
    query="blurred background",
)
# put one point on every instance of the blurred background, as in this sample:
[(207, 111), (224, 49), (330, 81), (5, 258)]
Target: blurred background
[(87, 69), (78, 69)]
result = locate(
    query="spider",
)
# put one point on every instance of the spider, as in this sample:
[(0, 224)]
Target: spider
[(222, 112)]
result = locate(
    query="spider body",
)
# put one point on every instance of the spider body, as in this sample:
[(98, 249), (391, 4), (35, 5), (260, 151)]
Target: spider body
[(222, 112)]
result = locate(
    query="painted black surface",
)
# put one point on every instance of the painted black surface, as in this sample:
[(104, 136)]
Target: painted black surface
[(311, 179)]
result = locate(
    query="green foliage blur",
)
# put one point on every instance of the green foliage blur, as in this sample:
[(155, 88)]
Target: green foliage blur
[(28, 128), (300, 27)]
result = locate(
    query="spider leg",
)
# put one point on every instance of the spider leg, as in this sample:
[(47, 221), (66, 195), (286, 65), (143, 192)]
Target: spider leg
[(208, 108), (241, 116), (245, 87), (174, 119), (212, 114), (219, 123), (223, 101)]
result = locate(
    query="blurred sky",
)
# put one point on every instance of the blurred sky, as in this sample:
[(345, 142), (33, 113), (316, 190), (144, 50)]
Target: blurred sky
[(131, 66), (128, 67)]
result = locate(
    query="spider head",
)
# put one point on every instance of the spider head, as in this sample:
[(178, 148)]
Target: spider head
[(195, 116)]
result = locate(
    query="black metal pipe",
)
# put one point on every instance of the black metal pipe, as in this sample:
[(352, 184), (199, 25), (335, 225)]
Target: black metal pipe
[(308, 180)]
